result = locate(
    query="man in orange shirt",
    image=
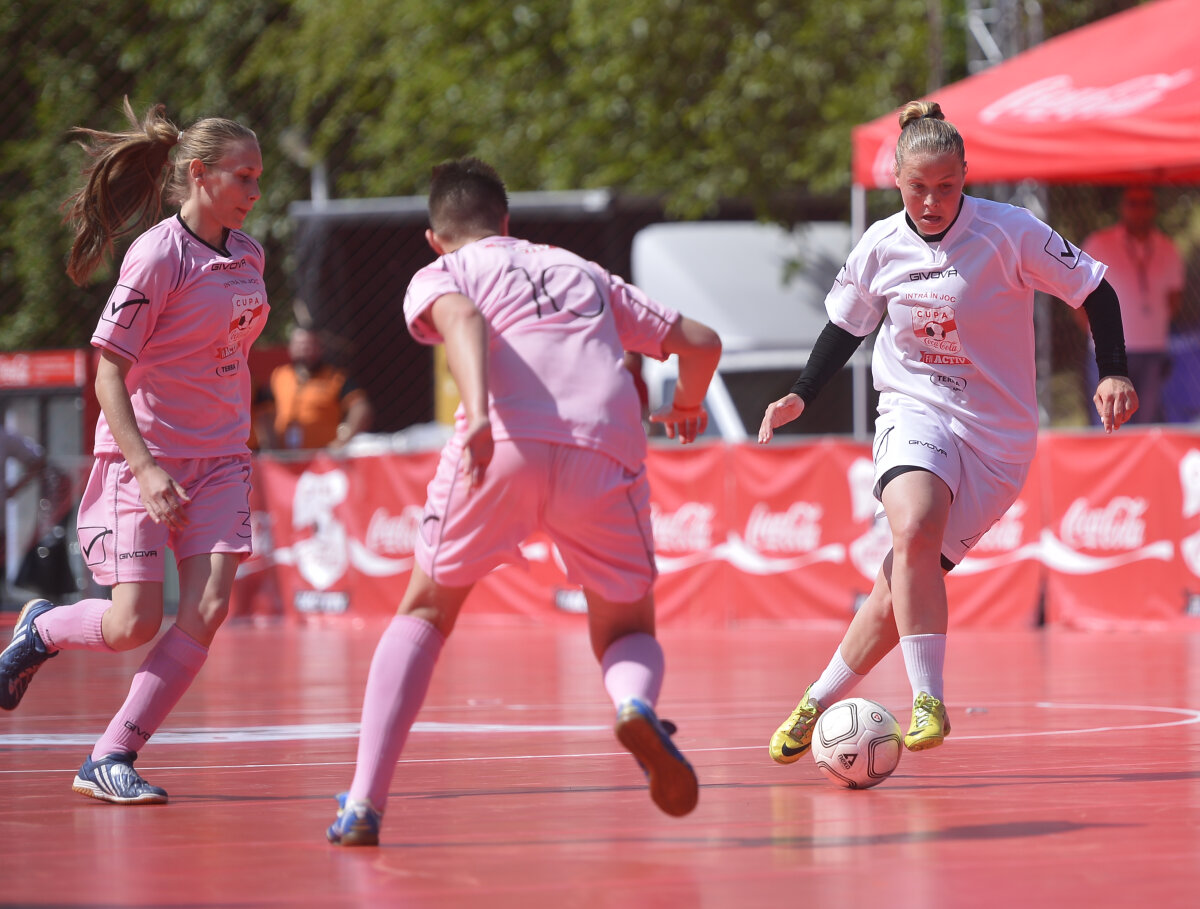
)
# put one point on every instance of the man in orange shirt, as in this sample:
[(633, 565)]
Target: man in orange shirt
[(309, 403)]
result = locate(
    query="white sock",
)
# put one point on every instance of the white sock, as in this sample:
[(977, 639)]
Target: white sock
[(924, 660), (835, 683)]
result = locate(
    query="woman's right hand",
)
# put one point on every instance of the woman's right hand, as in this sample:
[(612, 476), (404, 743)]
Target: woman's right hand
[(786, 409), (162, 497)]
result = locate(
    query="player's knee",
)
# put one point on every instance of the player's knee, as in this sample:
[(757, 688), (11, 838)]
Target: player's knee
[(917, 537), (213, 612), (128, 630)]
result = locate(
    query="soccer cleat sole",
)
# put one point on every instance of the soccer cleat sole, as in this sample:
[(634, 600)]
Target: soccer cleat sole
[(362, 833), (91, 790), (924, 744), (14, 689), (674, 787)]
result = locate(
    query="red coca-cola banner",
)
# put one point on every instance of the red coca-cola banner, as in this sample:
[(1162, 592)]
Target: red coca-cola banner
[(1106, 533), (1114, 528)]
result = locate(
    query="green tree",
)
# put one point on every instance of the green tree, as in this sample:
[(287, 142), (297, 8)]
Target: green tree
[(694, 102), (70, 64), (690, 102)]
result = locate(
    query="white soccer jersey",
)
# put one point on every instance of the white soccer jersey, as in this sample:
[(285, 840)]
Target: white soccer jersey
[(957, 316)]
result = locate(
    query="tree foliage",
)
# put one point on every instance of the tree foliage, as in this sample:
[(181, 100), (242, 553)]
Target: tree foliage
[(691, 102)]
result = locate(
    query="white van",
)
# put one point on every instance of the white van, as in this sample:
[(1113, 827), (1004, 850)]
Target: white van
[(762, 288)]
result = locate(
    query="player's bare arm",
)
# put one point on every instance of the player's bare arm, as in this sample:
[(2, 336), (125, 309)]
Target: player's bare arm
[(160, 494), (465, 335), (699, 350)]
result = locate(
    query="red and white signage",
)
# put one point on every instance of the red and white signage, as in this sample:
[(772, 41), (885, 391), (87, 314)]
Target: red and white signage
[(1105, 534)]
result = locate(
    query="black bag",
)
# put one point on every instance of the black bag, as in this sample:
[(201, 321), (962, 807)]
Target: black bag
[(46, 568)]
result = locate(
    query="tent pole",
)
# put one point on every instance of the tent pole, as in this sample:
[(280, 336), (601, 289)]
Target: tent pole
[(859, 364)]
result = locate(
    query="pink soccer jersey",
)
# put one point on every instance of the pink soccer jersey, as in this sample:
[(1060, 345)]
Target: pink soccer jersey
[(957, 316), (185, 314), (559, 326)]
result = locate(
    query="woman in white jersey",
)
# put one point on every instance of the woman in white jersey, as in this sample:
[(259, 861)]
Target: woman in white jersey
[(548, 437), (171, 468), (949, 281)]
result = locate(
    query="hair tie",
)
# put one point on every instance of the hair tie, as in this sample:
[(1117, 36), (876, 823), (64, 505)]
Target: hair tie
[(179, 138)]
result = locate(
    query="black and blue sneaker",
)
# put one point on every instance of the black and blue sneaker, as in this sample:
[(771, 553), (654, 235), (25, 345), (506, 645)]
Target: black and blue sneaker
[(357, 823), (23, 657), (673, 784), (113, 779)]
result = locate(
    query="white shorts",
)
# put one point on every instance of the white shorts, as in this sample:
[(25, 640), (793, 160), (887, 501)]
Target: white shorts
[(595, 510), (913, 435)]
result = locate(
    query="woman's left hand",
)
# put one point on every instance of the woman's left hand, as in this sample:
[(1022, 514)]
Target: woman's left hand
[(683, 422), (1116, 401)]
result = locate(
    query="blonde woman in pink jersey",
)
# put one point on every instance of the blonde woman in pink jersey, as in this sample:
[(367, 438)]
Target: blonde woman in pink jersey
[(171, 464), (949, 282), (548, 437)]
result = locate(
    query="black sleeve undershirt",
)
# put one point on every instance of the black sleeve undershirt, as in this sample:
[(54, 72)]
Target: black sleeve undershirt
[(832, 350), (1104, 318), (835, 346)]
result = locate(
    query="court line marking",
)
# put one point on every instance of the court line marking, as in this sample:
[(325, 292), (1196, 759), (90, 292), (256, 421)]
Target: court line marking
[(1188, 716)]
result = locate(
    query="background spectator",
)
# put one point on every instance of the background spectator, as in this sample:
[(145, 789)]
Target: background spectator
[(310, 403), (1145, 269)]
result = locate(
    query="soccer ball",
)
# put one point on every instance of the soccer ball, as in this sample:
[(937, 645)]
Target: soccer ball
[(856, 743)]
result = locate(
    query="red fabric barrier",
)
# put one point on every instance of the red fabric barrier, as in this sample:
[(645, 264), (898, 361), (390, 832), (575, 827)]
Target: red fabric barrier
[(1106, 532), (1113, 526)]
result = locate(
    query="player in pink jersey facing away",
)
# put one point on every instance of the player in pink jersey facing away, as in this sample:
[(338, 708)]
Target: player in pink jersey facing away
[(949, 281), (548, 437), (171, 464)]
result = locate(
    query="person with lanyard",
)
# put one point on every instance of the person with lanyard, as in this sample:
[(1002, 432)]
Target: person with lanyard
[(1147, 272), (171, 466), (949, 281)]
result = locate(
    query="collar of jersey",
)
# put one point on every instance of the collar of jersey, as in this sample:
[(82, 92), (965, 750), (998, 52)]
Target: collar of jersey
[(937, 238)]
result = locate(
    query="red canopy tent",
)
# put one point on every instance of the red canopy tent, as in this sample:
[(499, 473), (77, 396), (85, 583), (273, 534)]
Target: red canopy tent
[(1113, 102)]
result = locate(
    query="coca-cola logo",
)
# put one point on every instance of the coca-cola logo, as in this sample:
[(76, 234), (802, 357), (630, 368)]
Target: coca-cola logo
[(796, 530), (394, 534), (1116, 526), (1058, 99), (687, 529), (1007, 533), (316, 496)]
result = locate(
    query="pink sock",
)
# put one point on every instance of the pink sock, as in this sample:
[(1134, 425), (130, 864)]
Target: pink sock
[(396, 684), (633, 667), (74, 627), (164, 676)]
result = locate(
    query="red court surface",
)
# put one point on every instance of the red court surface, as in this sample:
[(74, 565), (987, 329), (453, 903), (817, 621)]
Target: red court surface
[(1072, 778)]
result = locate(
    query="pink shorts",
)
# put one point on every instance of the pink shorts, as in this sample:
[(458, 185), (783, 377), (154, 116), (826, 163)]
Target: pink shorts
[(595, 511), (120, 542)]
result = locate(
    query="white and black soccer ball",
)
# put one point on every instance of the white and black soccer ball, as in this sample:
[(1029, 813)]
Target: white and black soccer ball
[(856, 743)]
